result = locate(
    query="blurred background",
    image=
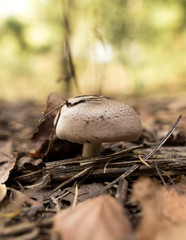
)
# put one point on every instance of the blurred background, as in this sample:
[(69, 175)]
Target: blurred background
[(113, 48)]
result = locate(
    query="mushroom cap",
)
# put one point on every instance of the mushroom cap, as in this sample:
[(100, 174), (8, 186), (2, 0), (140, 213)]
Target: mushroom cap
[(94, 119)]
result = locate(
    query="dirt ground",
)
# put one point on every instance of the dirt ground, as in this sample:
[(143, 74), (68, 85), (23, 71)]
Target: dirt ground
[(46, 176)]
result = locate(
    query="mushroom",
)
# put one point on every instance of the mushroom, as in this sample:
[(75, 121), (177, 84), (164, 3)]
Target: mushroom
[(93, 120)]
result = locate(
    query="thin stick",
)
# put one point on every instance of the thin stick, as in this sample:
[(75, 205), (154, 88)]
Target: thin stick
[(145, 163), (80, 174), (53, 165), (122, 191), (160, 175), (75, 196), (47, 114), (53, 131), (156, 147)]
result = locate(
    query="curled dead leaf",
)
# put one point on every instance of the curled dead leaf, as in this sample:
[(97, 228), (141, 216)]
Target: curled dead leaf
[(164, 211), (7, 161), (174, 206), (45, 127), (61, 149), (3, 191), (94, 219)]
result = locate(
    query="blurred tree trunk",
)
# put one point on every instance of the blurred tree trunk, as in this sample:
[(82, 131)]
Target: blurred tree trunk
[(68, 71)]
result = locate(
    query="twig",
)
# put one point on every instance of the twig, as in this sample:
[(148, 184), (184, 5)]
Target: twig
[(145, 163), (156, 147), (80, 174), (75, 196), (47, 114), (160, 175), (122, 191), (79, 163), (53, 132)]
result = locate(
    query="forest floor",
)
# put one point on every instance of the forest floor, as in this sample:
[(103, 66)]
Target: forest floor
[(134, 190)]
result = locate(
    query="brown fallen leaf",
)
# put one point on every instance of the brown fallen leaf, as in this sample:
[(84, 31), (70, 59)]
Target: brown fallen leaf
[(7, 161), (3, 191), (60, 149), (15, 203), (94, 219), (164, 211), (46, 126), (29, 163)]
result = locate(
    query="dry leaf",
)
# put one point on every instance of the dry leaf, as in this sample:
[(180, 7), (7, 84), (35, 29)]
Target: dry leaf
[(3, 191), (46, 127), (164, 211), (61, 149), (174, 206), (7, 161), (15, 203), (94, 219)]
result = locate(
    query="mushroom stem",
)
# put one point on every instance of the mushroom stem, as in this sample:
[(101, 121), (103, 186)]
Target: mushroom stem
[(91, 150)]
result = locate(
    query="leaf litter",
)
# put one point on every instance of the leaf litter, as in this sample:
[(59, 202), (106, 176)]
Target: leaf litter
[(7, 161), (41, 183), (163, 209), (97, 218)]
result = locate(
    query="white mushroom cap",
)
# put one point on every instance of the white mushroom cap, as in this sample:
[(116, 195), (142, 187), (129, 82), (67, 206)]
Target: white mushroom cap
[(95, 119)]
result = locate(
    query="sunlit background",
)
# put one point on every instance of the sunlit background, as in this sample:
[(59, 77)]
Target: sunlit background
[(121, 47)]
